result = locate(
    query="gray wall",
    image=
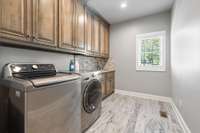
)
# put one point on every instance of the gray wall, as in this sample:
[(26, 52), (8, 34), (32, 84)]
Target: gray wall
[(123, 52), (61, 60), (185, 63), (9, 54)]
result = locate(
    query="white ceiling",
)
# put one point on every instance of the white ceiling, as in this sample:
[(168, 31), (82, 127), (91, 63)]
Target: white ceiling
[(111, 11)]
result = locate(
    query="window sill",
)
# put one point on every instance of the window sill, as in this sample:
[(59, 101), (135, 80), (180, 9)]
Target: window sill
[(151, 69)]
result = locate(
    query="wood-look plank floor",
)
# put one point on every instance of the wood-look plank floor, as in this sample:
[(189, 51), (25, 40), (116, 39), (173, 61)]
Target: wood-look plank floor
[(126, 114)]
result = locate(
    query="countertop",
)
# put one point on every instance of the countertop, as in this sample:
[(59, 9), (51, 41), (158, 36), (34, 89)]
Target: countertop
[(106, 71)]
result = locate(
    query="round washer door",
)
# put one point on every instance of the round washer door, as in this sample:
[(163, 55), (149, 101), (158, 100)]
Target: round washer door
[(92, 96)]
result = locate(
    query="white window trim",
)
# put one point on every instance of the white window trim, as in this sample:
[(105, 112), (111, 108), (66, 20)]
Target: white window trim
[(139, 38)]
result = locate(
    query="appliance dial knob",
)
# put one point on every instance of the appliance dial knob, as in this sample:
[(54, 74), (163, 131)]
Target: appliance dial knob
[(17, 69), (34, 67)]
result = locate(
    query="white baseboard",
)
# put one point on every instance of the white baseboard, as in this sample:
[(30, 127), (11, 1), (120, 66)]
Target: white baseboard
[(158, 98), (180, 118), (143, 95)]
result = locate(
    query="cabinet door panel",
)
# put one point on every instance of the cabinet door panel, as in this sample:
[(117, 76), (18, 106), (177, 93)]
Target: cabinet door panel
[(80, 27), (110, 83), (102, 39), (88, 32), (95, 42), (106, 41), (103, 86), (45, 21), (13, 19), (108, 87), (66, 17)]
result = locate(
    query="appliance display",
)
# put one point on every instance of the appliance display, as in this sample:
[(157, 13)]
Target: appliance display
[(42, 100), (91, 99)]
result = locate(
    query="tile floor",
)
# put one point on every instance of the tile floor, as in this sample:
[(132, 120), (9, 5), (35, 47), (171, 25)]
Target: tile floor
[(126, 114)]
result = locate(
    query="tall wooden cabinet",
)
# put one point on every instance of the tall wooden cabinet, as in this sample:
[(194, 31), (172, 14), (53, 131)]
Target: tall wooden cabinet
[(45, 24), (80, 27), (13, 19), (66, 24)]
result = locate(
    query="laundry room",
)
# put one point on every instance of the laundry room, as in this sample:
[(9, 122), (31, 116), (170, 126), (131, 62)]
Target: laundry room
[(99, 66)]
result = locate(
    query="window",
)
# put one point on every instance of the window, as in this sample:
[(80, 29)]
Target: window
[(151, 51)]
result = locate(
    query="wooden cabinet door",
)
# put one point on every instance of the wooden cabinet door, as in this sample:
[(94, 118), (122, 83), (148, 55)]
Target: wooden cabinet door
[(88, 32), (106, 40), (13, 19), (66, 24), (108, 86), (45, 22), (102, 39), (103, 86), (80, 27), (95, 43), (110, 83)]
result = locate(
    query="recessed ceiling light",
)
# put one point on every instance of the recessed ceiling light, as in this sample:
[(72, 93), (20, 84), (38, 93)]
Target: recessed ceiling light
[(123, 5)]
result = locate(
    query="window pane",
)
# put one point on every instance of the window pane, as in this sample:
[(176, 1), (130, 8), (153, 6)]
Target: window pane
[(150, 51), (156, 51)]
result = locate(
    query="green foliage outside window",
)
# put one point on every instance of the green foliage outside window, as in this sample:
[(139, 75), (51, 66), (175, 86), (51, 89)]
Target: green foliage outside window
[(150, 51)]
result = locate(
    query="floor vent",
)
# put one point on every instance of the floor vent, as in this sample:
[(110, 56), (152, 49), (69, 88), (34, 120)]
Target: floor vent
[(163, 114)]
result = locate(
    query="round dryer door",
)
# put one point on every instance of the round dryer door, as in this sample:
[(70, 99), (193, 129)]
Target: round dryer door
[(92, 96)]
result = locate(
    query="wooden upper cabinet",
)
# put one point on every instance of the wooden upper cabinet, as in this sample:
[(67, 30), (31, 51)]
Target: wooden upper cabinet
[(45, 22), (13, 19), (96, 29), (88, 31), (107, 40), (66, 24), (80, 27), (102, 39)]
